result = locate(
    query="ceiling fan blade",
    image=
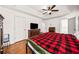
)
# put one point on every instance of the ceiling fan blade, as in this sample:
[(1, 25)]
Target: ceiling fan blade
[(54, 10), (49, 8), (44, 12), (53, 6), (44, 9)]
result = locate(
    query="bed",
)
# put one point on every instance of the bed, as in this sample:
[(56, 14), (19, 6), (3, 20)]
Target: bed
[(54, 43)]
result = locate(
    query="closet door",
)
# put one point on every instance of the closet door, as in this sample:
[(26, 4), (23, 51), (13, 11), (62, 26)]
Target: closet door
[(64, 26), (72, 25)]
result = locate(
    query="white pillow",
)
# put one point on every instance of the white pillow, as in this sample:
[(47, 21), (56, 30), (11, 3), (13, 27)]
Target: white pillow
[(77, 35)]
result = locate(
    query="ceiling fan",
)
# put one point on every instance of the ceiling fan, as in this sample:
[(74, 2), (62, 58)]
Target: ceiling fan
[(50, 9)]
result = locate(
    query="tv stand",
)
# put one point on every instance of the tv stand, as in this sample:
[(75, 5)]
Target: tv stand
[(33, 32)]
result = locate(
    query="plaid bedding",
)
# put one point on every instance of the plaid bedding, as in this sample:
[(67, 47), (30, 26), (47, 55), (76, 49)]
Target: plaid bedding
[(57, 43)]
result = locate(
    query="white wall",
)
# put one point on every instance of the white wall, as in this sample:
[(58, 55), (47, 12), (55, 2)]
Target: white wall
[(17, 24), (52, 23), (56, 22)]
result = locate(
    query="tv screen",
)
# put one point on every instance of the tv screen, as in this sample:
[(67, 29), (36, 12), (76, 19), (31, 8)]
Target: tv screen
[(33, 26)]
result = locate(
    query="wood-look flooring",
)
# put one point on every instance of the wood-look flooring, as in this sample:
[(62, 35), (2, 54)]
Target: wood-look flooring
[(17, 48)]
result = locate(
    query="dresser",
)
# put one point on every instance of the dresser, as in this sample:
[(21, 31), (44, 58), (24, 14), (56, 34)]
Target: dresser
[(33, 32), (52, 29)]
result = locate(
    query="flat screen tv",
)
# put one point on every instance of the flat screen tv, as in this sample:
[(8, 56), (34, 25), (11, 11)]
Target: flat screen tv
[(33, 26)]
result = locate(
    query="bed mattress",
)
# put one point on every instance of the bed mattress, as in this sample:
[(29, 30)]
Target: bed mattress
[(56, 43)]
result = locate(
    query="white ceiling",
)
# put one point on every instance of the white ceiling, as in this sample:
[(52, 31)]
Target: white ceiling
[(36, 10)]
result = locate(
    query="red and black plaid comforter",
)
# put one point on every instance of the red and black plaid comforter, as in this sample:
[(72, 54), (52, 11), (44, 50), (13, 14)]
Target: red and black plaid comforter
[(57, 43)]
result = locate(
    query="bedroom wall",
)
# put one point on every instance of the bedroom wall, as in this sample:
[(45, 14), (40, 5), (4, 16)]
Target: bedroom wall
[(56, 22), (17, 24), (52, 23)]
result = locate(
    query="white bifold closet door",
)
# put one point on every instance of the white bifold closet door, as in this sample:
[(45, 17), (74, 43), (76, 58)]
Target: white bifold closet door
[(68, 26), (72, 25), (64, 26)]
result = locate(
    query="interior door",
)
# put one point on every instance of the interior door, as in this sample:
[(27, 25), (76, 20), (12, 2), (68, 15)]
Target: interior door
[(72, 25), (64, 26)]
